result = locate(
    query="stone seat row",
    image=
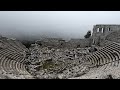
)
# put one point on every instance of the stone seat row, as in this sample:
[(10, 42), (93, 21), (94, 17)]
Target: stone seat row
[(108, 54), (14, 56), (12, 66), (106, 60), (15, 46)]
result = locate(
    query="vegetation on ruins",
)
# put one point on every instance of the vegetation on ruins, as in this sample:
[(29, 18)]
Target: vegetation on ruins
[(88, 34)]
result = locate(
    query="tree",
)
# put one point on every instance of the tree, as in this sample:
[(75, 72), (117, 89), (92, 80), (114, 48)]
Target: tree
[(88, 34)]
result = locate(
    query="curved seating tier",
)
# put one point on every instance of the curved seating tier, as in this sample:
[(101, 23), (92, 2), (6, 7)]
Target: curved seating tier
[(12, 66), (106, 61), (12, 58), (108, 54)]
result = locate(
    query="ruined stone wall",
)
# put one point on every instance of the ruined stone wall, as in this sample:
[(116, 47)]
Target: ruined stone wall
[(114, 36), (51, 42), (76, 43), (101, 31), (104, 29)]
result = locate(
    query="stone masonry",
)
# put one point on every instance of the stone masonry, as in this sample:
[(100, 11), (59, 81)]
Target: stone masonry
[(100, 31)]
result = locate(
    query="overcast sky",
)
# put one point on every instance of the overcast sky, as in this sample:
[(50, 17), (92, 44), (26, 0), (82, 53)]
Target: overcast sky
[(67, 24)]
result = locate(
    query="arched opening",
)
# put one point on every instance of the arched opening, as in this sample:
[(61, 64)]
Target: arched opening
[(108, 29)]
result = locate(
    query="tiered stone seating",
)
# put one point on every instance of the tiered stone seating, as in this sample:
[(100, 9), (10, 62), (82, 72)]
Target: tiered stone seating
[(12, 60), (13, 44), (11, 47), (1, 62), (20, 45), (9, 65), (13, 56), (103, 62), (107, 54)]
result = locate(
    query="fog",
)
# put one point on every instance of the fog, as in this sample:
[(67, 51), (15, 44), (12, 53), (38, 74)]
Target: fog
[(61, 24)]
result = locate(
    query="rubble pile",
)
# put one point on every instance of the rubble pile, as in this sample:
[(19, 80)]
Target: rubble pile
[(47, 62)]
